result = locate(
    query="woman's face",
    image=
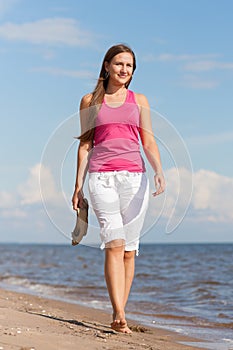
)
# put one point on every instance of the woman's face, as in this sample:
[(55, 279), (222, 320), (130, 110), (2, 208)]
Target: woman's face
[(120, 68)]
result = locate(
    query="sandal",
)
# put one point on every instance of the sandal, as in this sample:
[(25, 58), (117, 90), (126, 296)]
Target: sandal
[(81, 226)]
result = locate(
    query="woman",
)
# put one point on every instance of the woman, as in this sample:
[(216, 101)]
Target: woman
[(113, 119)]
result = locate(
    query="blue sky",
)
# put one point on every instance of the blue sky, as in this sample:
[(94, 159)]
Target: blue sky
[(51, 52)]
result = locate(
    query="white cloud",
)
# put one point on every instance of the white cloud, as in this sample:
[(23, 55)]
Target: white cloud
[(48, 55), (6, 5), (193, 63), (218, 138), (212, 198), (202, 66), (10, 207), (82, 74), (49, 31), (27, 202), (196, 82), (49, 191), (159, 41), (213, 192), (14, 213), (30, 191), (168, 57), (7, 200), (184, 57), (179, 186)]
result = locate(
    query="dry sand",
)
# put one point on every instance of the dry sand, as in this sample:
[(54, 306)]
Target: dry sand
[(29, 322)]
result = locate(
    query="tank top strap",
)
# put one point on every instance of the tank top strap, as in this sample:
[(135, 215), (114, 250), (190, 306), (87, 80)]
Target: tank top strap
[(131, 97)]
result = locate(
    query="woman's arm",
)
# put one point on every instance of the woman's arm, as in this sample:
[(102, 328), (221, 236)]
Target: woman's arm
[(82, 156), (149, 144)]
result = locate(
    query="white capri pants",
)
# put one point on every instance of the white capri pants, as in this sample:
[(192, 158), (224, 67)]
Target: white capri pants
[(119, 200)]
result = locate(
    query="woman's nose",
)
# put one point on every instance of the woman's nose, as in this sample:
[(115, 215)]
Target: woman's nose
[(124, 68)]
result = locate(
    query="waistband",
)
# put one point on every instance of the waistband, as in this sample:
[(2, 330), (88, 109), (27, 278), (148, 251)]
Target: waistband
[(117, 172)]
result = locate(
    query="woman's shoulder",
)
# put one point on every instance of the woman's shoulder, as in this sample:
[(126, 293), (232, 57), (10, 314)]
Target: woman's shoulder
[(85, 101), (141, 99)]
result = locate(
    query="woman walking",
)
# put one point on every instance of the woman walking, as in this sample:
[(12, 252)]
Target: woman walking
[(113, 120)]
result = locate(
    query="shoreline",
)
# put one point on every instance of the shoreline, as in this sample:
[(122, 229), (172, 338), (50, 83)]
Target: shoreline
[(30, 322)]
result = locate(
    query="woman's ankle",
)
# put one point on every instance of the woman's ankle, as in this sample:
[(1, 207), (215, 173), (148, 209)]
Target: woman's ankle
[(119, 315)]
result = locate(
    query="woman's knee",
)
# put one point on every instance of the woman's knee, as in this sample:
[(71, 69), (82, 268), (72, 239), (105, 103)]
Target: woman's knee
[(129, 254)]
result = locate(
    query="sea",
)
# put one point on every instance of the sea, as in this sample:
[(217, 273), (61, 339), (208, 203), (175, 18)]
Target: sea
[(185, 288)]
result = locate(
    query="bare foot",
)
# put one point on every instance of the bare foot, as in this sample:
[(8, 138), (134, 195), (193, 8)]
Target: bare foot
[(119, 324)]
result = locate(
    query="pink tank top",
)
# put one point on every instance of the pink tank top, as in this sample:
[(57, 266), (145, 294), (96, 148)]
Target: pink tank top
[(116, 141)]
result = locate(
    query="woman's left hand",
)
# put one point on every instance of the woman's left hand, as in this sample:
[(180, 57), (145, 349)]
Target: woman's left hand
[(159, 184)]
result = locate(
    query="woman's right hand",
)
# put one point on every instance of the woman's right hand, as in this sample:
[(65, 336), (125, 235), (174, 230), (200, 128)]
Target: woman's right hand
[(77, 199)]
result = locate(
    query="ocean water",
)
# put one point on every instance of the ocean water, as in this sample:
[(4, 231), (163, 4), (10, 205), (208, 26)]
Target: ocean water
[(187, 288)]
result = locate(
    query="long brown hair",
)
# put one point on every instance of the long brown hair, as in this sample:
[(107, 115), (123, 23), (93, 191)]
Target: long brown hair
[(101, 86)]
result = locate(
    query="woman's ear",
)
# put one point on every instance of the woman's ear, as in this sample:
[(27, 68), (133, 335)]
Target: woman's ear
[(106, 65)]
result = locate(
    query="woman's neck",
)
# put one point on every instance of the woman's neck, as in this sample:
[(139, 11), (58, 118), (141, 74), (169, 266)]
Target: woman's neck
[(116, 90)]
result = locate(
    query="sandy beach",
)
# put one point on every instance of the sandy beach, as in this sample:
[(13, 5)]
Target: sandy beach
[(29, 322)]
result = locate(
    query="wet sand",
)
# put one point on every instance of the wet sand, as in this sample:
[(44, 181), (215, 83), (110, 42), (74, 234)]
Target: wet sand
[(29, 322)]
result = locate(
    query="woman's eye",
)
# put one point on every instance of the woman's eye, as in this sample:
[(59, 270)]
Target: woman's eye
[(129, 65)]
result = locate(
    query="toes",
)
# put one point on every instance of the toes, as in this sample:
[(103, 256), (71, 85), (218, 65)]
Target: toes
[(127, 330), (120, 326)]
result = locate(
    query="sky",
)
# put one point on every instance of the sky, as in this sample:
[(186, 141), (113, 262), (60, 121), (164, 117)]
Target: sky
[(51, 53)]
